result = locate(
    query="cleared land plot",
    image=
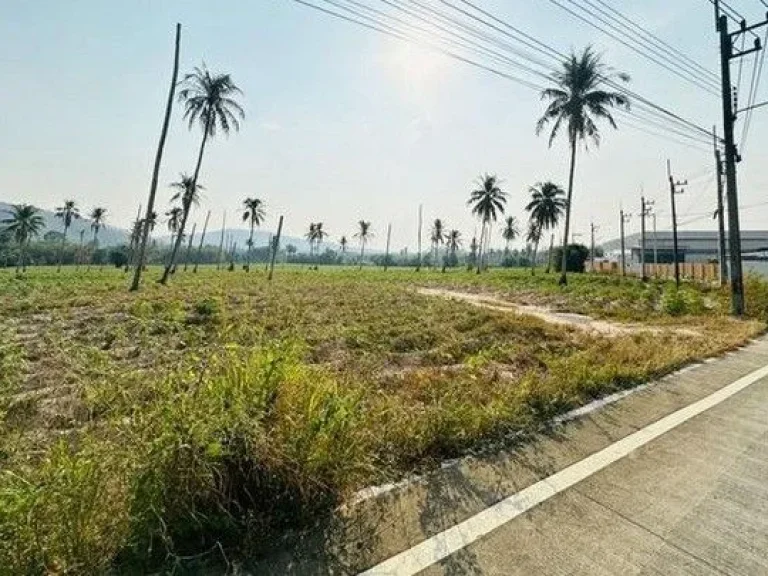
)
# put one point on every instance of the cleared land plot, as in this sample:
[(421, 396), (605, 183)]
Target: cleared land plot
[(223, 408)]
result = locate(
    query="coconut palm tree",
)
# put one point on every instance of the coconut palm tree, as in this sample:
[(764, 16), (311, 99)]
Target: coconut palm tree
[(343, 242), (533, 237), (437, 237), (209, 99), (23, 223), (67, 212), (320, 234), (473, 248), (510, 232), (254, 214), (97, 216), (188, 191), (311, 236), (487, 203), (175, 215), (547, 205), (579, 100), (452, 243), (363, 234)]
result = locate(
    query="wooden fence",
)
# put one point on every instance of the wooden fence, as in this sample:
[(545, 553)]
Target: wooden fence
[(696, 271)]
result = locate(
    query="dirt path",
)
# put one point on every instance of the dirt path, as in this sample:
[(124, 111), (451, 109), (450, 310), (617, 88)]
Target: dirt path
[(578, 321)]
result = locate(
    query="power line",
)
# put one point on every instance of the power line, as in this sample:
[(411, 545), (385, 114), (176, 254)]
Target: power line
[(375, 24), (683, 69), (706, 87), (753, 92), (651, 36), (405, 38)]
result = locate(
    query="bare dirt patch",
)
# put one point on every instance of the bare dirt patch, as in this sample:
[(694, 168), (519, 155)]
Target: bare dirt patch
[(577, 321)]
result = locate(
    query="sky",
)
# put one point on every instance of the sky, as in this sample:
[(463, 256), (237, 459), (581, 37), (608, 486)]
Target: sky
[(342, 123)]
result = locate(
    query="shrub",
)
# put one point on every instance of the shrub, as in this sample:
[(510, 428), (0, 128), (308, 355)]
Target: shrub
[(577, 257), (673, 302)]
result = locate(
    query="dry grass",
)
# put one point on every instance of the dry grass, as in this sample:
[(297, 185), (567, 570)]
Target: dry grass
[(207, 414)]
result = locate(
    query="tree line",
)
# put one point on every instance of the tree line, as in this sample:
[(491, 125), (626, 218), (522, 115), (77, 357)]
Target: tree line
[(577, 102)]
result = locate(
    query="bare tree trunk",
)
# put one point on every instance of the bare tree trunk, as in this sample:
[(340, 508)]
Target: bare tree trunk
[(563, 272), (158, 161)]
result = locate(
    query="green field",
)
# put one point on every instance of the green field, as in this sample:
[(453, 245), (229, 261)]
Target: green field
[(139, 429)]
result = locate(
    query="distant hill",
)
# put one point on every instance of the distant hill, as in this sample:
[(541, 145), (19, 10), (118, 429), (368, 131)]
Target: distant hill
[(108, 235)]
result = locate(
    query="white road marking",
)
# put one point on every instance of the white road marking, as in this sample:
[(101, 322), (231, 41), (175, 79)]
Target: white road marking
[(445, 543)]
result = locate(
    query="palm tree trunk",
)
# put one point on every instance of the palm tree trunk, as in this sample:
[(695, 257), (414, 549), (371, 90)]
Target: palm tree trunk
[(535, 253), (156, 171), (20, 261), (250, 247), (362, 251), (563, 272), (90, 260), (202, 239), (61, 248), (480, 248), (549, 255), (187, 208)]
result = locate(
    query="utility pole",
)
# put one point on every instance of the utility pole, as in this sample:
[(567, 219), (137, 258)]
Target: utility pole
[(275, 247), (221, 244), (645, 210), (624, 219), (418, 264), (674, 190), (189, 247), (202, 239), (655, 242), (731, 154), (592, 229), (386, 254), (720, 215)]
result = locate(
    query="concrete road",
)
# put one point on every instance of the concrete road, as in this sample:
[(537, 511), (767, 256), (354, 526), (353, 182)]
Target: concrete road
[(672, 479)]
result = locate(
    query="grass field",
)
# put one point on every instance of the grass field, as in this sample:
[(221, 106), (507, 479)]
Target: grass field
[(140, 429)]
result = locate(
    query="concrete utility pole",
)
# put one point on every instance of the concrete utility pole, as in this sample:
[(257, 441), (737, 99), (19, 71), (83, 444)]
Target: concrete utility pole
[(221, 244), (674, 189), (655, 242), (275, 247), (189, 247), (731, 154), (418, 264), (592, 229), (624, 219), (645, 210), (386, 254), (720, 215)]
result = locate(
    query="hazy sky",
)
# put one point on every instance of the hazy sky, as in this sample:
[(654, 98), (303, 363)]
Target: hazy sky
[(342, 123)]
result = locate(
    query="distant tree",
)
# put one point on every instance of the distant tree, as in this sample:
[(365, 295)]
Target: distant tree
[(487, 203), (67, 212), (510, 232), (188, 192), (578, 100), (311, 236), (437, 237), (452, 243), (290, 250), (473, 249), (546, 207), (343, 243), (320, 235), (533, 237), (254, 214), (209, 99), (23, 223), (363, 234), (97, 216), (577, 257), (174, 222)]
